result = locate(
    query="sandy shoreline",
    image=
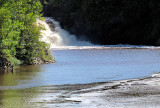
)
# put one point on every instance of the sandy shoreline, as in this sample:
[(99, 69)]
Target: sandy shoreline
[(141, 93)]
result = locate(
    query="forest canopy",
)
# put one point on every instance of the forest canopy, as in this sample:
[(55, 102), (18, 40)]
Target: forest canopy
[(19, 33)]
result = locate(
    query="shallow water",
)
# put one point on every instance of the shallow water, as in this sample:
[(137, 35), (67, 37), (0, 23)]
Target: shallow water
[(27, 84)]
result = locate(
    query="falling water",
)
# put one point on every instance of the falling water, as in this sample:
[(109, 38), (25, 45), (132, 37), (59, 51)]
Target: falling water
[(59, 38), (55, 36)]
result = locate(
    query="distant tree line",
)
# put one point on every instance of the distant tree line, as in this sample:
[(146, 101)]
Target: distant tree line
[(108, 21), (19, 33)]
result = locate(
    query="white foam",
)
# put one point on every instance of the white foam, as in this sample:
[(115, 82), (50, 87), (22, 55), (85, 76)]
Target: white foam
[(59, 38), (156, 75), (55, 36), (100, 47)]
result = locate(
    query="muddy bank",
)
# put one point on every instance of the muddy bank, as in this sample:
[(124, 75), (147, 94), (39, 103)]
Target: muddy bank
[(134, 93)]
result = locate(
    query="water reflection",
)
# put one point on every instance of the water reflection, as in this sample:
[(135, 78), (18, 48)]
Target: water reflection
[(5, 71), (17, 98), (74, 67), (20, 77)]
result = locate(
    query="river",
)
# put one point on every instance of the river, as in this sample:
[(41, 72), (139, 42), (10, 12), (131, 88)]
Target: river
[(81, 66), (76, 66)]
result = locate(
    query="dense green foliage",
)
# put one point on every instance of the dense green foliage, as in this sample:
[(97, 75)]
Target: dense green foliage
[(19, 34), (109, 21)]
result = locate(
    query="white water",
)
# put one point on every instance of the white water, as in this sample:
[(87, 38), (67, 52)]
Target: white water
[(57, 37)]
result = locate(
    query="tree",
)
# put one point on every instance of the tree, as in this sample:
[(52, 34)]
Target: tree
[(19, 34)]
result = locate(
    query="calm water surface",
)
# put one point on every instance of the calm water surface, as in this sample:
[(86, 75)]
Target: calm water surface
[(85, 66)]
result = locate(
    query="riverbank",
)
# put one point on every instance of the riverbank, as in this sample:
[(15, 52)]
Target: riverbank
[(144, 92), (133, 93)]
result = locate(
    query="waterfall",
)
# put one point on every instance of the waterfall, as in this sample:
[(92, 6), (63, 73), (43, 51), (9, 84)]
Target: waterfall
[(59, 38), (55, 36)]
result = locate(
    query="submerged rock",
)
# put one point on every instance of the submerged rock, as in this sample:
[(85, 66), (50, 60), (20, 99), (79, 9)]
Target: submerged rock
[(42, 61)]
